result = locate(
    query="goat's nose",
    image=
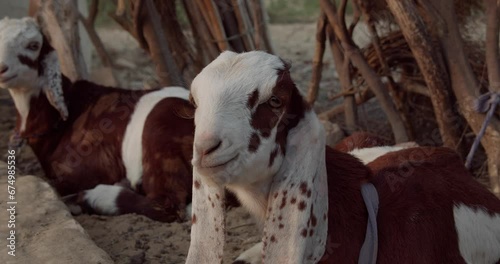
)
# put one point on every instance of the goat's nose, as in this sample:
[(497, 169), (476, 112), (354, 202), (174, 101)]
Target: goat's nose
[(207, 145), (3, 68)]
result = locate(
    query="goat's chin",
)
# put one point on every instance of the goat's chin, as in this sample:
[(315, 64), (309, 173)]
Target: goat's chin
[(217, 176), (223, 174)]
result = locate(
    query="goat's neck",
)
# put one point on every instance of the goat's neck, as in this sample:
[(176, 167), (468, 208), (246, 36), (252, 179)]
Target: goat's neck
[(22, 99), (254, 197), (37, 118)]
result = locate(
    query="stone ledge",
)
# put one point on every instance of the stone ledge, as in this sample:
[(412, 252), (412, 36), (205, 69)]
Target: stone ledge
[(45, 230)]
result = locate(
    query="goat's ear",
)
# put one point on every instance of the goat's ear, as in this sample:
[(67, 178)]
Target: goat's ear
[(208, 221), (296, 224), (49, 71)]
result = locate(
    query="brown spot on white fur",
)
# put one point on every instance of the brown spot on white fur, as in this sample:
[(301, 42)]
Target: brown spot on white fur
[(253, 99), (254, 143), (193, 219), (302, 205), (273, 155), (197, 184)]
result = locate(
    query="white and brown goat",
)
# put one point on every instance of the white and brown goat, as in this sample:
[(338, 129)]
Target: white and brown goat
[(256, 136), (88, 137)]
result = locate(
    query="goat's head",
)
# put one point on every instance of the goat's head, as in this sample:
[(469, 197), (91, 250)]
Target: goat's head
[(253, 129), (28, 64), (246, 104)]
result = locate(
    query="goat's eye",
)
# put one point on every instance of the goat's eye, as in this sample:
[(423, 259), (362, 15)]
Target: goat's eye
[(275, 102), (34, 46)]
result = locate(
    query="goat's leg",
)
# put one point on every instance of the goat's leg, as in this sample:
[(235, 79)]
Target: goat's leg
[(115, 200), (252, 255), (124, 183)]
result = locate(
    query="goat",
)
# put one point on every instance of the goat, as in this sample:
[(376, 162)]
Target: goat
[(256, 136), (89, 136), (367, 147)]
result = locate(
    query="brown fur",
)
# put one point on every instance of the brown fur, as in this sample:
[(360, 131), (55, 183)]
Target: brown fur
[(167, 149)]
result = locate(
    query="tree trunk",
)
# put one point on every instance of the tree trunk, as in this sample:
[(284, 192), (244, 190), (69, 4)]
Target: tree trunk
[(492, 57), (466, 89), (432, 67)]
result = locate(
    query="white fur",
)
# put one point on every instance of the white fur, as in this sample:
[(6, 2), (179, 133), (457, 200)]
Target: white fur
[(15, 35), (103, 198), (221, 92), (132, 141), (367, 155), (22, 99), (208, 231), (252, 255), (478, 234), (304, 163)]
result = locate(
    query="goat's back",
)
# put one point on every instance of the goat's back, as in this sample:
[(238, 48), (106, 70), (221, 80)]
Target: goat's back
[(420, 191)]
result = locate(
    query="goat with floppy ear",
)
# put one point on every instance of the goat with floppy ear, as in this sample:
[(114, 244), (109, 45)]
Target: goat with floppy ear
[(88, 137), (257, 137), (35, 60)]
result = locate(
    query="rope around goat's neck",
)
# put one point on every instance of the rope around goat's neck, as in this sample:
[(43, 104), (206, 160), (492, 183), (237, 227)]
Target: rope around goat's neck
[(492, 99)]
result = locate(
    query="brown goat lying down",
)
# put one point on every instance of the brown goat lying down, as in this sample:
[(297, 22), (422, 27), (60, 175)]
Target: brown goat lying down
[(256, 136), (88, 137)]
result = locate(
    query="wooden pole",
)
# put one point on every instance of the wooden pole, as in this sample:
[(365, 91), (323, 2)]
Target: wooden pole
[(317, 62), (173, 73), (373, 80), (59, 18), (432, 67)]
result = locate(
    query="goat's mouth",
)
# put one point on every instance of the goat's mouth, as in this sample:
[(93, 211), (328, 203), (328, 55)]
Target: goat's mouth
[(222, 164), (5, 80), (218, 166)]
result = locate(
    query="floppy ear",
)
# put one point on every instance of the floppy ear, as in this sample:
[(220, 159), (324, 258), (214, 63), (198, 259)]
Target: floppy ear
[(208, 222), (49, 71), (296, 224)]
